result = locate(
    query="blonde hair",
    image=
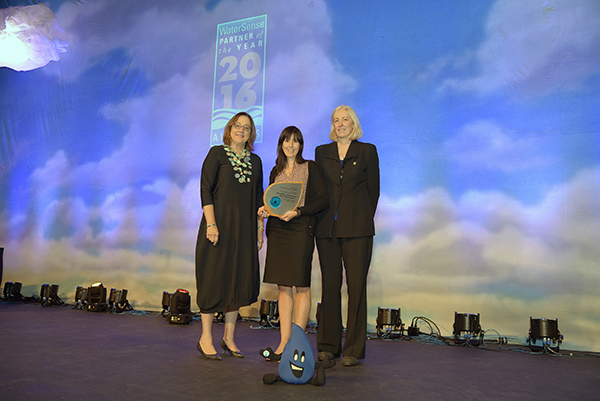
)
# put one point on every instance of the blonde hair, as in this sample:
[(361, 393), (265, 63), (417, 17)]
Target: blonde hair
[(356, 133)]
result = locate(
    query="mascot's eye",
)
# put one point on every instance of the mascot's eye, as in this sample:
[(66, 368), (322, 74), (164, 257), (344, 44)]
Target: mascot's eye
[(295, 355), (302, 357)]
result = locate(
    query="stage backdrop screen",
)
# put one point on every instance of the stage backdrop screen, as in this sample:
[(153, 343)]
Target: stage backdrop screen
[(485, 115)]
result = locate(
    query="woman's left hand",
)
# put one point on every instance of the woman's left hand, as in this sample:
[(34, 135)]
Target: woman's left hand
[(289, 215)]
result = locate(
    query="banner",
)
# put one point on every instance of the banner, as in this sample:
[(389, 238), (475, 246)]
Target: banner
[(239, 80)]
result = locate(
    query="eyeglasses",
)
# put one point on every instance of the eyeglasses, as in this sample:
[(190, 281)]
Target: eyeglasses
[(247, 128)]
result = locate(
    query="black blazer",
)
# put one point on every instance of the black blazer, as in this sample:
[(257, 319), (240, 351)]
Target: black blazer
[(353, 188), (316, 198)]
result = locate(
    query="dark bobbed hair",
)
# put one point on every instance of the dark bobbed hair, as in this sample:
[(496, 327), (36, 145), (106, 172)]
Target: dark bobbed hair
[(287, 133), (227, 132)]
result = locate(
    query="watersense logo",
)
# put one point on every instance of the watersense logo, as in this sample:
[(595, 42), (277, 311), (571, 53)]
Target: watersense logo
[(239, 80)]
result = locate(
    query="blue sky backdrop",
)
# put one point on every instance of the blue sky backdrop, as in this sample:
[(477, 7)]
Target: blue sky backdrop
[(484, 113)]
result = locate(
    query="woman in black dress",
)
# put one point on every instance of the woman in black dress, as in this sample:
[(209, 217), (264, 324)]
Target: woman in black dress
[(344, 235), (291, 241), (230, 234)]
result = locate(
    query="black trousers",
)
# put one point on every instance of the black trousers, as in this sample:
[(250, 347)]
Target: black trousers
[(335, 255)]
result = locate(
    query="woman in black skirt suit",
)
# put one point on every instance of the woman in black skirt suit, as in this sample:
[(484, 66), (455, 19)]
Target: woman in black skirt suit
[(290, 243)]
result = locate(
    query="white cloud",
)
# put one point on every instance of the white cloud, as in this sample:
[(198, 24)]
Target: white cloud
[(56, 172), (495, 237), (533, 47), (485, 145)]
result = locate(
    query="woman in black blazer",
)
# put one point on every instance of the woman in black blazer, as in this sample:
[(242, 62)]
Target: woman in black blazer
[(344, 235)]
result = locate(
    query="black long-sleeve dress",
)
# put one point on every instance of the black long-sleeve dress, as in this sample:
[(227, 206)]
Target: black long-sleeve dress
[(227, 274)]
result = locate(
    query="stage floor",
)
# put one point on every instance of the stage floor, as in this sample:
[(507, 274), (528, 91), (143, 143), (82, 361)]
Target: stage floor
[(52, 353)]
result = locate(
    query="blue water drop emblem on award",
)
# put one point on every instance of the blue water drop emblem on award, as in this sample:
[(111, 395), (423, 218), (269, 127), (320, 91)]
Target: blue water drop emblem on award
[(275, 202)]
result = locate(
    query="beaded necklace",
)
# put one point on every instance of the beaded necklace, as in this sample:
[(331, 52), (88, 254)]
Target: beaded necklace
[(241, 164)]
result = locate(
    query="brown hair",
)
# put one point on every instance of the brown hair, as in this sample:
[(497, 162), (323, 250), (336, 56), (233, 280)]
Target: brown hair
[(287, 133), (227, 132)]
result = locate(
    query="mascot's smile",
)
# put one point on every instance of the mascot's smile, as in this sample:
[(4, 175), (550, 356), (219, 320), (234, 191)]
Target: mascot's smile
[(296, 370)]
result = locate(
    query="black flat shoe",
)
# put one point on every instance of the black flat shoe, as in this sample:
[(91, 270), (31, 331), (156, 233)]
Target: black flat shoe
[(211, 357), (349, 361), (270, 355), (326, 359), (237, 354)]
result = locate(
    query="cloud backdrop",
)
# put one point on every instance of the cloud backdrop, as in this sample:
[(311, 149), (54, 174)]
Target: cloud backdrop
[(484, 114)]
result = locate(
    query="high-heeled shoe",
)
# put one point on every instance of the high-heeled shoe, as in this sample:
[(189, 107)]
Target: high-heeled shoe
[(210, 357), (237, 354), (270, 355)]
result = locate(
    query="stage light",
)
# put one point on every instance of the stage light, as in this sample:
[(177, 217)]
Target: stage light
[(176, 307), (96, 298), (122, 301), (8, 286), (544, 335), (49, 295), (389, 324), (30, 37), (80, 297), (269, 312), (54, 295), (220, 317), (16, 292), (44, 293), (166, 301), (180, 302), (117, 301), (112, 296), (467, 328)]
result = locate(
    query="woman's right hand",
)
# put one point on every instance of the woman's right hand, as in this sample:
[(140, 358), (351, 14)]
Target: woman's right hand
[(262, 212), (212, 234)]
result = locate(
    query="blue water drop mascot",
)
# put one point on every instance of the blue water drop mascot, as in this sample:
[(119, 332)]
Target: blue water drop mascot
[(297, 364)]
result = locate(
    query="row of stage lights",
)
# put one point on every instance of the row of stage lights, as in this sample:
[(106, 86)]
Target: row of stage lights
[(176, 306), (92, 299), (543, 333), (48, 294)]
